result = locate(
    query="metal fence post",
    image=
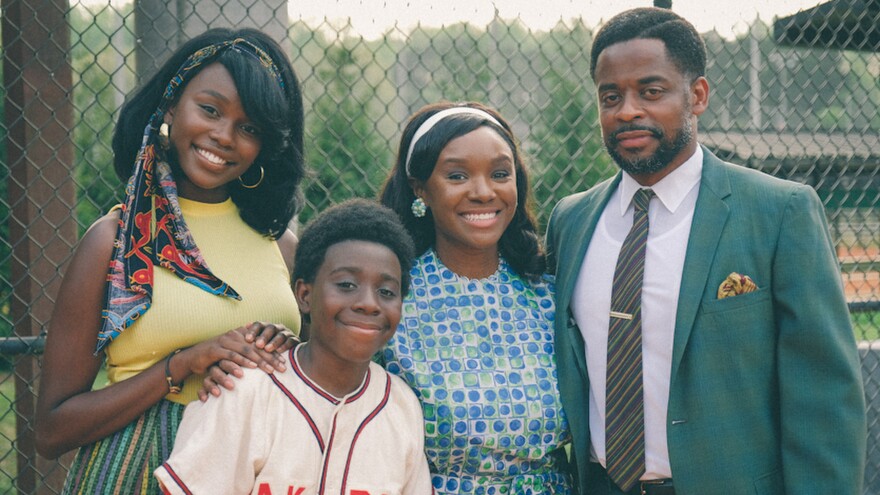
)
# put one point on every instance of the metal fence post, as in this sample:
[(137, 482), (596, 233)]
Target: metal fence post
[(37, 75)]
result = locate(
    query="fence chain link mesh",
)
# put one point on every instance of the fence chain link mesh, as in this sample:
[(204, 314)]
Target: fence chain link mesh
[(799, 101)]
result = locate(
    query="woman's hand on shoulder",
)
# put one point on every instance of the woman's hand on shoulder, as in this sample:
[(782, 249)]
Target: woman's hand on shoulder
[(258, 345), (270, 337)]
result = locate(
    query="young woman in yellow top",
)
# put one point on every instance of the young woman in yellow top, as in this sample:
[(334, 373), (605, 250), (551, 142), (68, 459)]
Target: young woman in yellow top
[(198, 256)]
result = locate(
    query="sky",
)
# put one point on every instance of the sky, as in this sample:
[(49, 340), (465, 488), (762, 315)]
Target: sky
[(371, 18)]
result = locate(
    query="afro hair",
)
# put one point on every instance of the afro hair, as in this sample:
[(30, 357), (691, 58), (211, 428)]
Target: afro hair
[(353, 220)]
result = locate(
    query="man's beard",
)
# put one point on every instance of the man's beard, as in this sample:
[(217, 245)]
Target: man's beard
[(669, 148)]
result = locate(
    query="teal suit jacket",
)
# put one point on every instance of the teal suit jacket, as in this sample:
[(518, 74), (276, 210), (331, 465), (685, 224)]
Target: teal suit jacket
[(766, 392)]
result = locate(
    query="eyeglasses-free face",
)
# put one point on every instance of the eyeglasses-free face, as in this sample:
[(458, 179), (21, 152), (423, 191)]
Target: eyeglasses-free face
[(212, 138)]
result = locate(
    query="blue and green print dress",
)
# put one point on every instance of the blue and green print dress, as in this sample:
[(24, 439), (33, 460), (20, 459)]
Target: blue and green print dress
[(479, 355)]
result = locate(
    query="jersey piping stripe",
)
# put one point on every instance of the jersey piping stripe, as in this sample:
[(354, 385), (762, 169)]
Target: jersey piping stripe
[(301, 409), (296, 369), (363, 425), (327, 457), (357, 395), (176, 479), (333, 400)]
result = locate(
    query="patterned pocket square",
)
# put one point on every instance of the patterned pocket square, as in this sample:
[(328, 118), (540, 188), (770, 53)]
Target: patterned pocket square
[(736, 284)]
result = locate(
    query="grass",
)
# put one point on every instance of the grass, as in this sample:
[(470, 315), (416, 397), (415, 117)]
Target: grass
[(866, 325), (8, 456)]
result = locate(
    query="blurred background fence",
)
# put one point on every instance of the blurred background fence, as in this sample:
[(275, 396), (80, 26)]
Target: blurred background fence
[(794, 93)]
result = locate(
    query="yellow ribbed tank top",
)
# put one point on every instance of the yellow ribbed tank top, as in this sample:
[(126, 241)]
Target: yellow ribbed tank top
[(183, 315)]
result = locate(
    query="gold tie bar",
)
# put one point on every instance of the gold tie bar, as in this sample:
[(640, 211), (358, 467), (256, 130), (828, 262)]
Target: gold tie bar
[(622, 316)]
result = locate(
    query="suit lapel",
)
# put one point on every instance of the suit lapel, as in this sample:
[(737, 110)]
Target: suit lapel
[(710, 216), (585, 215)]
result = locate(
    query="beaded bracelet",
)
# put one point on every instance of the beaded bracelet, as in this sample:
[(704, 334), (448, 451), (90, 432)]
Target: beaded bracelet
[(172, 387)]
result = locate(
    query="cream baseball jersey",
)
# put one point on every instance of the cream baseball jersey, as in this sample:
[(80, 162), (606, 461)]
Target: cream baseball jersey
[(282, 434)]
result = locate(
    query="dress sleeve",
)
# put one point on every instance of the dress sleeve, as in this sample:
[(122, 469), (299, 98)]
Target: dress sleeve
[(221, 444)]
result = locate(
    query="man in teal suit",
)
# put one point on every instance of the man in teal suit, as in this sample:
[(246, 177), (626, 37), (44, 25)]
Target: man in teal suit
[(749, 372)]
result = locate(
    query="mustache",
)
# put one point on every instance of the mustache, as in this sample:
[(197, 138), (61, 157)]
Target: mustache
[(655, 132)]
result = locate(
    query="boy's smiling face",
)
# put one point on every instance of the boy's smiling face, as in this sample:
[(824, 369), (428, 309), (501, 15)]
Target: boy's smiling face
[(354, 301)]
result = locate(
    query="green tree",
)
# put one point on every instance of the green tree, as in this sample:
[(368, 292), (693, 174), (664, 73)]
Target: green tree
[(564, 141), (345, 152), (99, 47), (863, 86), (566, 144)]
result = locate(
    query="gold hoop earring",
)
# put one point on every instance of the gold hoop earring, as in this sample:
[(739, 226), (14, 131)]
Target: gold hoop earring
[(257, 184), (164, 136)]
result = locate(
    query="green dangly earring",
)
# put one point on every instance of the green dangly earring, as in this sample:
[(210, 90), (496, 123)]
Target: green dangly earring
[(418, 208)]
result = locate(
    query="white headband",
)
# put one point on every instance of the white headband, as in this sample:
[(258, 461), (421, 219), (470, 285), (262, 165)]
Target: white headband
[(437, 117)]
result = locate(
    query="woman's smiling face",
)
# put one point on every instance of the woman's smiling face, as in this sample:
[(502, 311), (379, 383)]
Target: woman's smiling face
[(472, 192), (213, 139)]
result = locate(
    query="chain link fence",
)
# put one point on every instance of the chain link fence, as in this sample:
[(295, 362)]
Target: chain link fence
[(797, 97)]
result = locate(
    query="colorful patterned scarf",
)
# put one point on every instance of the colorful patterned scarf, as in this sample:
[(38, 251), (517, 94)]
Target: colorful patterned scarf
[(151, 227)]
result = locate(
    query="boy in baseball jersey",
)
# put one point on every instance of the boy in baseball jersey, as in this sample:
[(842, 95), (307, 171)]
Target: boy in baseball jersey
[(334, 422)]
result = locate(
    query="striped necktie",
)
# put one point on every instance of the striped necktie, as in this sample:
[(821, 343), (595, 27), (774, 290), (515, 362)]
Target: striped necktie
[(624, 404)]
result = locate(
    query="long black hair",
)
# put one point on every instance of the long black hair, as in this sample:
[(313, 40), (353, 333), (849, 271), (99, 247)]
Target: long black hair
[(277, 110), (520, 244)]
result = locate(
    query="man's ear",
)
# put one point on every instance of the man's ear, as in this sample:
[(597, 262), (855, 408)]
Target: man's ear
[(699, 95), (303, 292)]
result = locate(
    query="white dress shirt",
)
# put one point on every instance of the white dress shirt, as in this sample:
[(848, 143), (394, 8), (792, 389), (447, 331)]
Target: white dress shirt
[(670, 214)]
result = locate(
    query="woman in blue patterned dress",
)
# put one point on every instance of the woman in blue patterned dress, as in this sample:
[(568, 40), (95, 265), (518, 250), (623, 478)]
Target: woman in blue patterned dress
[(475, 340)]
